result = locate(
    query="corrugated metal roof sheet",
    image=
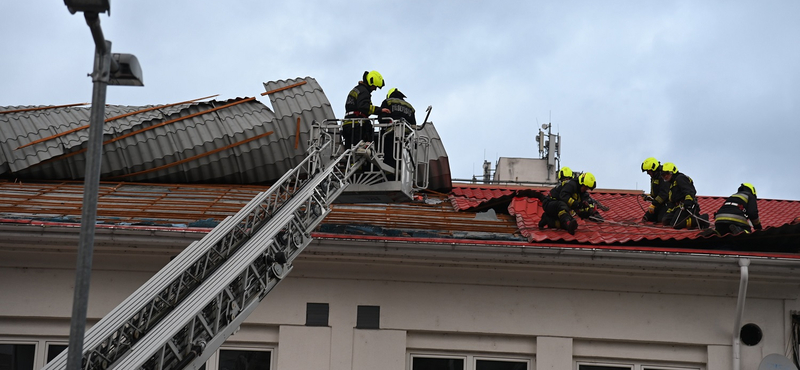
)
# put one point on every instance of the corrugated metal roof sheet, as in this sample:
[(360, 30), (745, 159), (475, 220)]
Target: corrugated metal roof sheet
[(192, 140), (235, 141), (185, 143), (29, 124), (439, 177)]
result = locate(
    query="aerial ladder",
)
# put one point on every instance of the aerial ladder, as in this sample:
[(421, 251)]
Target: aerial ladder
[(184, 313)]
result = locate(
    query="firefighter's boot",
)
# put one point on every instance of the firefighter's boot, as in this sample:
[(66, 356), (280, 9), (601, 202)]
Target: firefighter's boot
[(568, 223), (544, 221)]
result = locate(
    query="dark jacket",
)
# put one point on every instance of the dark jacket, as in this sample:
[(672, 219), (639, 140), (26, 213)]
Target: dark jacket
[(398, 108), (659, 190), (569, 192), (681, 190), (359, 102), (738, 208)]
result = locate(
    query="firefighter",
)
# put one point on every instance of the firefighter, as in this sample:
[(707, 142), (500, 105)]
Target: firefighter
[(567, 197), (359, 105), (398, 109), (659, 190), (683, 210), (733, 216), (564, 174)]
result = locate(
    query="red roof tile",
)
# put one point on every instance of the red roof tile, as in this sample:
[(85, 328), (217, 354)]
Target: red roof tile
[(465, 198), (621, 220), (474, 197)]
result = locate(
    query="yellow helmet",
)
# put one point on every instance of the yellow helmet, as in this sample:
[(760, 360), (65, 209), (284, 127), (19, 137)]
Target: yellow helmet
[(397, 94), (669, 167), (748, 186), (373, 78), (650, 164), (564, 173), (587, 180)]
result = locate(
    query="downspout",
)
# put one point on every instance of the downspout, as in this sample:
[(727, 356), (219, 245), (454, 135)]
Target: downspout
[(737, 325)]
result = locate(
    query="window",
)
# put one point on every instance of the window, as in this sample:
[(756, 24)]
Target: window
[(317, 314), (244, 360), (435, 362), (481, 364), (603, 366), (17, 356), (368, 317), (54, 350)]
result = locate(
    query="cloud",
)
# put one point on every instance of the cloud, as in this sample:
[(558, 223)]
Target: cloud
[(712, 86)]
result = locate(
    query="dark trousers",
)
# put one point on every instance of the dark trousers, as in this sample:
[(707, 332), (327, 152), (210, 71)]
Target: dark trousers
[(657, 216), (557, 212), (357, 131), (723, 228), (683, 217), (388, 148)]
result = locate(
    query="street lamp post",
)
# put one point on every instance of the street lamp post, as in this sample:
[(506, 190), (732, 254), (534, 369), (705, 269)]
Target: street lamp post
[(116, 69)]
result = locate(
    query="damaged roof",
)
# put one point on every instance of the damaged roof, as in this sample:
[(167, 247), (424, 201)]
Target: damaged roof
[(186, 166), (434, 216), (622, 226), (239, 140), (235, 141)]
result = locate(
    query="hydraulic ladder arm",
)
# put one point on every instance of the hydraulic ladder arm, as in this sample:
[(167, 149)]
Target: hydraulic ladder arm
[(179, 317)]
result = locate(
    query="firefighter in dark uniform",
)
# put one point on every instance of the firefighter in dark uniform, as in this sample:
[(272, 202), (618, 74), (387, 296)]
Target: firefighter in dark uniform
[(564, 174), (398, 109), (659, 191), (734, 214), (567, 197), (683, 210), (359, 105)]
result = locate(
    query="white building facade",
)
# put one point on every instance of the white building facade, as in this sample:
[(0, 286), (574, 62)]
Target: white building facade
[(405, 304)]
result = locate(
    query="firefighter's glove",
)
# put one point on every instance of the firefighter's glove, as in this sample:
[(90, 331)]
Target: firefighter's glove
[(688, 204), (651, 209)]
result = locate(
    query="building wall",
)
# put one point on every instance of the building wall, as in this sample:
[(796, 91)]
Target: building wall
[(551, 312), (527, 170)]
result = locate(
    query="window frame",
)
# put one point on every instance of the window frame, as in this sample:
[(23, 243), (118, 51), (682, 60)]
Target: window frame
[(528, 361), (621, 366), (213, 361), (49, 343), (412, 355), (470, 359), (35, 344), (635, 366)]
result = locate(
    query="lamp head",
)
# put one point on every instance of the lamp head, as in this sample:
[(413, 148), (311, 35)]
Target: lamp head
[(128, 72), (91, 6)]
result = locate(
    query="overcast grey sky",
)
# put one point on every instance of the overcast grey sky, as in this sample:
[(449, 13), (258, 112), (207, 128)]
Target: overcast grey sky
[(713, 86)]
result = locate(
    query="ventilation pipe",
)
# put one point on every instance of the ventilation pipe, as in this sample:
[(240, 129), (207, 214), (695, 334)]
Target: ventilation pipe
[(737, 325)]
